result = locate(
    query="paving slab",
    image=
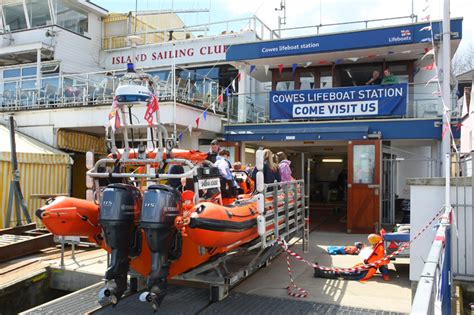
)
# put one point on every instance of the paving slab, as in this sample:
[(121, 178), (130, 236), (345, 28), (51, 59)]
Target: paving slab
[(375, 294)]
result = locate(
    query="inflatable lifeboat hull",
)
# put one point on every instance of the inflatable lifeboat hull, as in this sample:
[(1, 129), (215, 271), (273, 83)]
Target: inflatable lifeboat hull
[(67, 216)]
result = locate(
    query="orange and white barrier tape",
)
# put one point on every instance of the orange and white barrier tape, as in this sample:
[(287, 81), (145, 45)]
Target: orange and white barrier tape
[(302, 293)]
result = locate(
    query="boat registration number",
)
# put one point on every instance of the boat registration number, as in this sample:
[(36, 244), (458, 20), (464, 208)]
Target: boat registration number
[(207, 183)]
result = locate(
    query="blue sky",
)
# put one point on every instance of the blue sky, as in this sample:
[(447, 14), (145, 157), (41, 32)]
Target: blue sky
[(305, 12)]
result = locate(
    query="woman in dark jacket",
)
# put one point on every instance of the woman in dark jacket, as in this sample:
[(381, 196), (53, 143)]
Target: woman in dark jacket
[(270, 169)]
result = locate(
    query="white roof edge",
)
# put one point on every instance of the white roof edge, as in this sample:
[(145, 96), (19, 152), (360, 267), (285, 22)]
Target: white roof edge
[(92, 7), (23, 47)]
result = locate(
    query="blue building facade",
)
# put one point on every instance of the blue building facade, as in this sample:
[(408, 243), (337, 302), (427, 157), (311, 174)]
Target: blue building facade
[(330, 104)]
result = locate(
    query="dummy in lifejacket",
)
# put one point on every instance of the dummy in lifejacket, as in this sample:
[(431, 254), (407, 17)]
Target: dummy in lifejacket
[(376, 256)]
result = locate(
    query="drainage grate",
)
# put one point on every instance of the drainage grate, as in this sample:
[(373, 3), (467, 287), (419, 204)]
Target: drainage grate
[(238, 303), (179, 300)]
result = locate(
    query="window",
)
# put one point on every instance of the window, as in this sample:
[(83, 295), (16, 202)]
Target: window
[(307, 81), (12, 73), (71, 18), (26, 72), (15, 16), (285, 85), (364, 164), (326, 80), (38, 13)]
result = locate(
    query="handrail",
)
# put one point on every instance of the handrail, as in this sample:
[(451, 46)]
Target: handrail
[(423, 301), (412, 16)]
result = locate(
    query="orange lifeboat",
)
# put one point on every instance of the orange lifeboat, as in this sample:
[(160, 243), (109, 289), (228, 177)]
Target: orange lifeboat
[(213, 225), (69, 216)]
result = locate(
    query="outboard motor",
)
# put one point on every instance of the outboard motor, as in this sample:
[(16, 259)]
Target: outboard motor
[(119, 211), (161, 205)]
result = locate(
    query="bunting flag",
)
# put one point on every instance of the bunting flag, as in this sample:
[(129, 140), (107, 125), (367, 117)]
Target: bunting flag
[(426, 40), (390, 52), (233, 85), (371, 56), (433, 79), (151, 108), (429, 67), (427, 6), (426, 28), (322, 62), (220, 99), (426, 18), (114, 117), (227, 93), (307, 64), (280, 68), (180, 136), (238, 76), (197, 122), (213, 106), (252, 68), (338, 61), (354, 59), (190, 128), (427, 53), (293, 67), (266, 69), (445, 129), (204, 114)]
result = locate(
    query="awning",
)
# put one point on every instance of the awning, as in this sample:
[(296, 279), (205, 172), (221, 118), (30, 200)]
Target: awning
[(81, 142), (43, 170)]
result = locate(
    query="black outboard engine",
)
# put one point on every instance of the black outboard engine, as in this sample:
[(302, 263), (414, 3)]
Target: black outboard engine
[(119, 210), (161, 205)]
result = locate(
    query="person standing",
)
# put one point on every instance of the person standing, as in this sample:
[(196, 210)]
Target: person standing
[(375, 79), (388, 77), (213, 151), (284, 167), (271, 173), (222, 163)]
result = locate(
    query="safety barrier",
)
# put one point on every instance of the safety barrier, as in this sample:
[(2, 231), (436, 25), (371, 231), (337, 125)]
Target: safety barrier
[(434, 286)]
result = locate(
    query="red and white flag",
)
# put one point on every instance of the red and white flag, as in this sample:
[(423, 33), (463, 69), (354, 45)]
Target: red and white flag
[(151, 108), (114, 116)]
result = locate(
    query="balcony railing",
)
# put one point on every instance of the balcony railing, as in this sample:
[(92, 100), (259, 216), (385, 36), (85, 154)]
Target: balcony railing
[(98, 88), (422, 103), (254, 24)]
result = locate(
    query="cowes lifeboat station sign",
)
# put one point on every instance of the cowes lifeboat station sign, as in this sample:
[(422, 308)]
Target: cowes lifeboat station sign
[(199, 50)]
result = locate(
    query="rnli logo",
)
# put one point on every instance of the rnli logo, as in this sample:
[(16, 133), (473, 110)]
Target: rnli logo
[(405, 33)]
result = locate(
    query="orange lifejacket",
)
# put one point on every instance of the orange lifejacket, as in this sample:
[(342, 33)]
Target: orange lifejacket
[(377, 254)]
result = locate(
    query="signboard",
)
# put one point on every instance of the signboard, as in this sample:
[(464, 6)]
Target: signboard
[(209, 49), (207, 183), (357, 101), (370, 38)]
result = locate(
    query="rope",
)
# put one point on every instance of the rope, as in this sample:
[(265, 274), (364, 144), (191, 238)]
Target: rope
[(302, 293)]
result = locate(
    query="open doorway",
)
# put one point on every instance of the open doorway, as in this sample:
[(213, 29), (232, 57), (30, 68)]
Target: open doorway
[(328, 191)]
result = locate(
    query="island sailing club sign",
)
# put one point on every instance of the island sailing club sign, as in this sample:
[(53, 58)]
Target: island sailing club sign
[(357, 101), (206, 49)]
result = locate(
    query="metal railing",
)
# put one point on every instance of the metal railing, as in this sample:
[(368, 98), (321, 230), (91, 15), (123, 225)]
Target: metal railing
[(255, 107), (463, 216), (434, 287), (345, 26), (98, 88), (283, 213), (451, 255), (233, 26)]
